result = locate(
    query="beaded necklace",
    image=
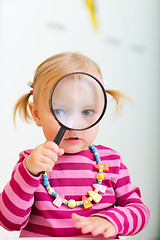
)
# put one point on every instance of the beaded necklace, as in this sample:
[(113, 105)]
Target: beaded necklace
[(93, 195)]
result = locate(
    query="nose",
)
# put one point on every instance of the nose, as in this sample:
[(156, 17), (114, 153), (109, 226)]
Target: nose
[(75, 121)]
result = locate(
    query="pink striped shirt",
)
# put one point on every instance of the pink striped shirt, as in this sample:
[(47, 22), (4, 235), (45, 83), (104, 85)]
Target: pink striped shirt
[(26, 206)]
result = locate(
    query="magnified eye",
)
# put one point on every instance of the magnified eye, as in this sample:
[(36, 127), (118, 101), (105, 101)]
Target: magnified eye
[(87, 112), (58, 112)]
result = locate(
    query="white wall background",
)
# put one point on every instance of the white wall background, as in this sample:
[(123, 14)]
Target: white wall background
[(127, 49)]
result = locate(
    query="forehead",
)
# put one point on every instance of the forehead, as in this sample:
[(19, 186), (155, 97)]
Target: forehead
[(77, 83), (89, 70), (69, 82)]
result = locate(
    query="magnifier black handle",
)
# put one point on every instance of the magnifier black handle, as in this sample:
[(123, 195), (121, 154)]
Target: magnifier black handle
[(59, 135)]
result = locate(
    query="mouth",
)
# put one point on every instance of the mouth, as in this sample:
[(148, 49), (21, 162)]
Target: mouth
[(73, 139)]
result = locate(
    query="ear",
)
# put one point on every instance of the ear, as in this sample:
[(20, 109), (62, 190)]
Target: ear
[(35, 114)]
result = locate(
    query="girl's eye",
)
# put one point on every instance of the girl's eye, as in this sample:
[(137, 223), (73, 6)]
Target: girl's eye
[(58, 112), (87, 112)]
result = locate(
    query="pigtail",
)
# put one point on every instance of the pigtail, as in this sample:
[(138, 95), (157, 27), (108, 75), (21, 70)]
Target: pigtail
[(120, 99), (22, 106)]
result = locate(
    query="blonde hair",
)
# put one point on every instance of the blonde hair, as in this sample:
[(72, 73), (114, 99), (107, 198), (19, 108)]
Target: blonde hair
[(56, 67)]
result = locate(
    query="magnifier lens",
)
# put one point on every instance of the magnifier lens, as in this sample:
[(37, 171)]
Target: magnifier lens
[(78, 101)]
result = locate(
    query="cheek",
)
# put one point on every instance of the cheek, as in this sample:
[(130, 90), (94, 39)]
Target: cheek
[(91, 133), (50, 128)]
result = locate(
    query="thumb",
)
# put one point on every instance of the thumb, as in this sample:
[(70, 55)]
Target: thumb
[(77, 217), (60, 151)]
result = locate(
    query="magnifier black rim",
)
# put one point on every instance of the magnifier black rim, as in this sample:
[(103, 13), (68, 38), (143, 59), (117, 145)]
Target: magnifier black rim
[(105, 102)]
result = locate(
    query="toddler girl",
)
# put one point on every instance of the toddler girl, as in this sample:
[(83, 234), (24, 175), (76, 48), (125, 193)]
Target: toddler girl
[(74, 189)]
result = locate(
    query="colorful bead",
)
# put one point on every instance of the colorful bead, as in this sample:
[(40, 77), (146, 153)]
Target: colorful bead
[(96, 190), (99, 181), (100, 176), (93, 148), (65, 201), (95, 196), (86, 202), (98, 159), (46, 183), (100, 188), (55, 194), (81, 202), (78, 203), (51, 190), (71, 203), (96, 154), (104, 167), (45, 177), (58, 201), (48, 188)]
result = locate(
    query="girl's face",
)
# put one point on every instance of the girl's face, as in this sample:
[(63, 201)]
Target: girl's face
[(73, 141)]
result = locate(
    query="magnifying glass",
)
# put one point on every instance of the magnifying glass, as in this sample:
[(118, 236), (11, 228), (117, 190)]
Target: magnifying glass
[(78, 102)]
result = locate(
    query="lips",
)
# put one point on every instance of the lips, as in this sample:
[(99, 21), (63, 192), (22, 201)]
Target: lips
[(75, 138), (72, 139)]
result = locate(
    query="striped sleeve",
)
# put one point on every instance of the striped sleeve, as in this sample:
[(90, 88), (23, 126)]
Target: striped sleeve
[(129, 215), (17, 197)]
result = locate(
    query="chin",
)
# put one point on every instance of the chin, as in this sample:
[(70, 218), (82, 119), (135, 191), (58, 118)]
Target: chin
[(74, 149)]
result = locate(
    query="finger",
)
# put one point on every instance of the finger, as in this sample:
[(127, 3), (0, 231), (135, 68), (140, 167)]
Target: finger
[(44, 167), (47, 160), (61, 151), (88, 227), (52, 146), (98, 229), (82, 224), (80, 221), (86, 224), (109, 232), (50, 154), (78, 218)]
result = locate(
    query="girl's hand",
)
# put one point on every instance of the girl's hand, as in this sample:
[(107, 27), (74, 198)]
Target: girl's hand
[(94, 225), (43, 158)]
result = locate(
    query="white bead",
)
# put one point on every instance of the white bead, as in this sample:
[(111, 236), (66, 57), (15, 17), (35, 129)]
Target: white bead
[(71, 203), (50, 191), (90, 199), (58, 201)]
